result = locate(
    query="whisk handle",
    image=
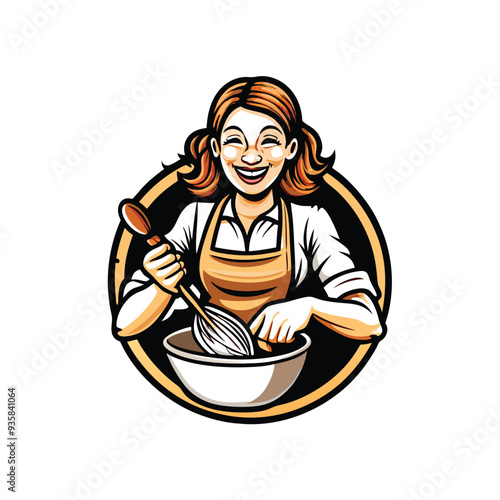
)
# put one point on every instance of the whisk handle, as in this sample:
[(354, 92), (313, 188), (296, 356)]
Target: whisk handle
[(194, 302), (265, 346)]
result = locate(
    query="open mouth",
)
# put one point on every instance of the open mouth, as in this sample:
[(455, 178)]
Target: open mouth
[(251, 175)]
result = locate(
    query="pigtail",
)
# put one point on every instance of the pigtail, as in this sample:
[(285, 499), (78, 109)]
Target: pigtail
[(303, 177), (204, 178)]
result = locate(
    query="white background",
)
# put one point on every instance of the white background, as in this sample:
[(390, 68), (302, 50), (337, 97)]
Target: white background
[(405, 415)]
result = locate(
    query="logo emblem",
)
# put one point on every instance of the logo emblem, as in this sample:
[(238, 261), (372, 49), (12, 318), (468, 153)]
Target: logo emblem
[(249, 281)]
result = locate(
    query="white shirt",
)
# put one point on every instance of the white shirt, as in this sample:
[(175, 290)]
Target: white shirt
[(313, 235)]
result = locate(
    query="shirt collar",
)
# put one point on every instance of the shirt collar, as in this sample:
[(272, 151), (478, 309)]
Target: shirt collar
[(273, 214)]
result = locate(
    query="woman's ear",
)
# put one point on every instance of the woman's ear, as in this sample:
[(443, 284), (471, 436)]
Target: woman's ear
[(214, 146), (293, 149)]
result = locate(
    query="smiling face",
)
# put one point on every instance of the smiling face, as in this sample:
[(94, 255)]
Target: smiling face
[(253, 150)]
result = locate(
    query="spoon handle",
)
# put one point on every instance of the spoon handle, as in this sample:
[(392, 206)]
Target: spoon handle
[(187, 295), (262, 344), (136, 220)]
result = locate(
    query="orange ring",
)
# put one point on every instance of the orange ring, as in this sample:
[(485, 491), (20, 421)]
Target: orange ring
[(298, 406)]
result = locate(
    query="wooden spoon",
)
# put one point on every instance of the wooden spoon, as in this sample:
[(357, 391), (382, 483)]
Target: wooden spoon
[(135, 219)]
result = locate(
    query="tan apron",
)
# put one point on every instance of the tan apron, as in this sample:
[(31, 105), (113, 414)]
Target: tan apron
[(244, 283)]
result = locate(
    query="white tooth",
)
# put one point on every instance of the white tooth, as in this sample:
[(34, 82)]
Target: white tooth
[(255, 173), (251, 173)]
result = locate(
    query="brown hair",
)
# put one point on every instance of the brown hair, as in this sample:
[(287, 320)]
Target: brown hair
[(273, 98)]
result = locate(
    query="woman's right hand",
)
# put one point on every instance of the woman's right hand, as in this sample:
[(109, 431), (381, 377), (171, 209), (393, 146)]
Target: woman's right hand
[(164, 267)]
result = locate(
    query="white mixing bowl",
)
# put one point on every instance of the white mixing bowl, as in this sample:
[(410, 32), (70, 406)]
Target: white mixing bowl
[(235, 381)]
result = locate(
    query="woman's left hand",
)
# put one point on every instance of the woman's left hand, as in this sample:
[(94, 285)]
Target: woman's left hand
[(279, 321)]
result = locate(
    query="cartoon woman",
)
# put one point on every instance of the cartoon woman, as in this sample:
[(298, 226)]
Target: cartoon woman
[(255, 245)]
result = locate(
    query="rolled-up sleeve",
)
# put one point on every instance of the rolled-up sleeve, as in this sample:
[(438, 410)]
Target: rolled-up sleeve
[(331, 259)]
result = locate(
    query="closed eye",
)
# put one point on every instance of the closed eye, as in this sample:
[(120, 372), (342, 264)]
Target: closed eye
[(271, 141), (233, 140)]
